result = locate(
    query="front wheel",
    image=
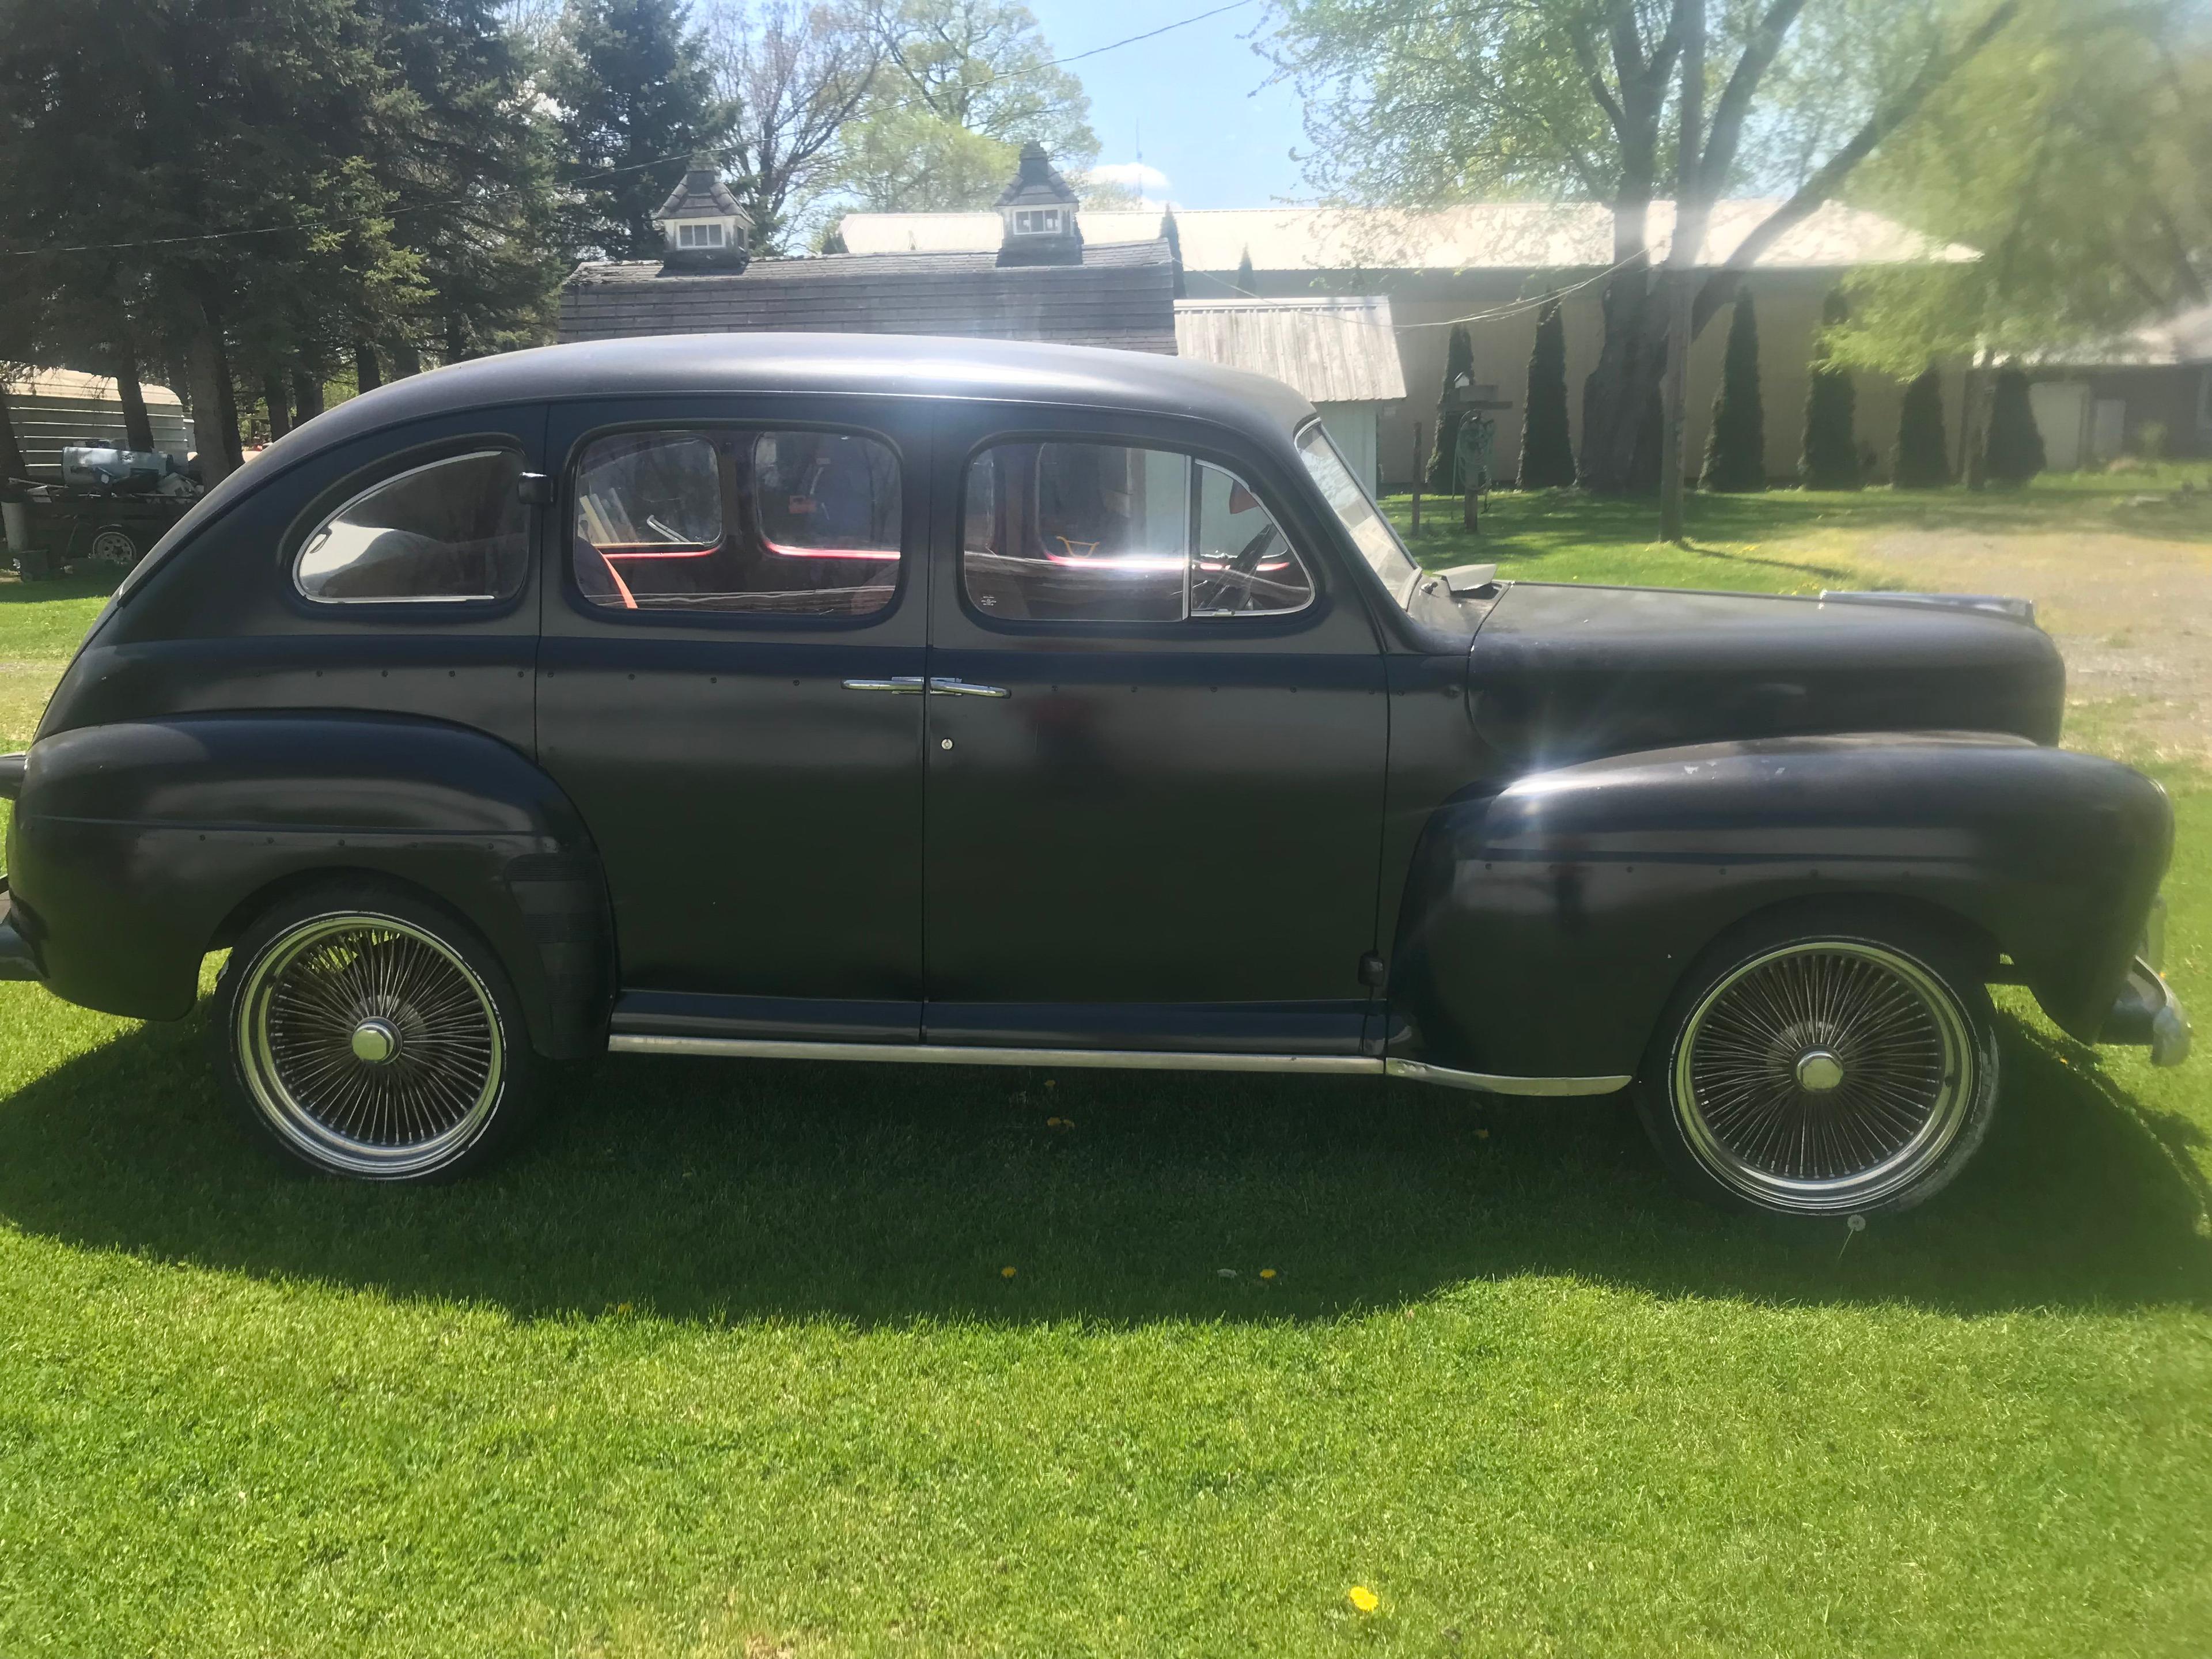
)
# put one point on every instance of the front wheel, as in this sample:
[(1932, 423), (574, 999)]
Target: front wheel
[(1811, 1069), (366, 1033)]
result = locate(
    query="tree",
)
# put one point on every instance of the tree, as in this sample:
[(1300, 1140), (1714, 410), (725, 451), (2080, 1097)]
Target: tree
[(963, 85), (798, 75), (1416, 105), (1830, 458), (1923, 453), (1735, 445), (636, 99), (1548, 450), (1246, 282), (1459, 360), (2016, 445)]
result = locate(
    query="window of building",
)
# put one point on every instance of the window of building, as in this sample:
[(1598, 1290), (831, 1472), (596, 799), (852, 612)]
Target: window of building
[(791, 523), (451, 530), (707, 235), (1036, 221), (1102, 533)]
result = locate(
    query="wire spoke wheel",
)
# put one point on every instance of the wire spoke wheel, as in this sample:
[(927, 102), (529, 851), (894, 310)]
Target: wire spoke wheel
[(1824, 1076), (369, 1045)]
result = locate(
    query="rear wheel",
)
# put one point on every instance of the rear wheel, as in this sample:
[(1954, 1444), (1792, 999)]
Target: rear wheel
[(366, 1033), (1808, 1068)]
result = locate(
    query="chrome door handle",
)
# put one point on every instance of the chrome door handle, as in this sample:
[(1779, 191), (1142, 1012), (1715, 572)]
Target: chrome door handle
[(944, 686), (903, 685)]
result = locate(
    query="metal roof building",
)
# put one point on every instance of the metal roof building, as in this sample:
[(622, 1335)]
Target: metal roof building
[(53, 407), (1340, 352)]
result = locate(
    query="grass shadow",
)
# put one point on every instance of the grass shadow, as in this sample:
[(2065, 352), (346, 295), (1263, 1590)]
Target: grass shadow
[(705, 1190)]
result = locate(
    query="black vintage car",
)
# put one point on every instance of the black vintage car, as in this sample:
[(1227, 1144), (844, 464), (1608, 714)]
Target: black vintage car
[(877, 699)]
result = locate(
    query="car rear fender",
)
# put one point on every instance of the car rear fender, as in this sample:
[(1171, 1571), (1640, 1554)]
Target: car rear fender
[(1546, 924), (138, 847)]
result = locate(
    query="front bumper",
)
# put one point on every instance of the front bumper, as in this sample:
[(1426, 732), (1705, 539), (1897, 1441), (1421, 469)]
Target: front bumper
[(2148, 1015)]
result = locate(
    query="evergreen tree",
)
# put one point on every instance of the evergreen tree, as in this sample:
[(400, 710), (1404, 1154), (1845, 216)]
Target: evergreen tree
[(2015, 452), (1736, 447), (636, 98), (1923, 453), (1548, 450), (1459, 358), (1245, 284), (1830, 459)]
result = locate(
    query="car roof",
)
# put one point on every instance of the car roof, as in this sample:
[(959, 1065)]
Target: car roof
[(876, 364)]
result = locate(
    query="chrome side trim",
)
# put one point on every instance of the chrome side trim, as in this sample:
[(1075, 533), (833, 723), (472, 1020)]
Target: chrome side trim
[(944, 685), (901, 685), (1136, 1060), (949, 1053), (1488, 1084)]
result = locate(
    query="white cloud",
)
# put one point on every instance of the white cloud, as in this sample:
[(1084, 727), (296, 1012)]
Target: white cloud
[(1148, 182)]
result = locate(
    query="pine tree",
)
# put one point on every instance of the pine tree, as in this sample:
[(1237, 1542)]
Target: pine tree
[(1830, 459), (1244, 281), (1923, 453), (1459, 358), (637, 98), (2015, 452), (1548, 450), (1736, 447)]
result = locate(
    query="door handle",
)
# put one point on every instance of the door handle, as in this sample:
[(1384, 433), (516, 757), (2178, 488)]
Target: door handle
[(903, 685), (944, 686)]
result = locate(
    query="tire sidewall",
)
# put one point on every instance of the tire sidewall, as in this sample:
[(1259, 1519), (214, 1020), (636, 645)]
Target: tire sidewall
[(1924, 943), (519, 1095)]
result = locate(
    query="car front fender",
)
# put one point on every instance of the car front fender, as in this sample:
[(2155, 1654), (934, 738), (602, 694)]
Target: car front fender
[(1546, 924), (139, 845)]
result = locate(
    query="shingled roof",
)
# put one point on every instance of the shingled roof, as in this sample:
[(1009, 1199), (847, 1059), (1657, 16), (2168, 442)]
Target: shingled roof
[(702, 195), (1122, 296)]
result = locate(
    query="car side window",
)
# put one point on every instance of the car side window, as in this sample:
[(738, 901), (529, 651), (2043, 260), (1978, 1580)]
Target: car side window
[(1109, 532), (450, 530), (784, 522)]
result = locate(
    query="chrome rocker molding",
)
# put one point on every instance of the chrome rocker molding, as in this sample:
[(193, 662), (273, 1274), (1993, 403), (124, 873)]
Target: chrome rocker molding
[(1138, 1059)]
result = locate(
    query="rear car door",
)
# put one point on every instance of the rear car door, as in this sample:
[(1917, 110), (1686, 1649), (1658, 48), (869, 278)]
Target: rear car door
[(1157, 740), (729, 689)]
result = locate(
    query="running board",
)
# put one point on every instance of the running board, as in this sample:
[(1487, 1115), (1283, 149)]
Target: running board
[(1138, 1059)]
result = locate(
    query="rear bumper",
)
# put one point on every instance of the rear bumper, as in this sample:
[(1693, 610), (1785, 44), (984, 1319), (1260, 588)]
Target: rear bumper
[(2148, 1015), (16, 959)]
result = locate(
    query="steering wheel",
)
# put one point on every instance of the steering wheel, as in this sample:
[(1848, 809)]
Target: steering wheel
[(1238, 574)]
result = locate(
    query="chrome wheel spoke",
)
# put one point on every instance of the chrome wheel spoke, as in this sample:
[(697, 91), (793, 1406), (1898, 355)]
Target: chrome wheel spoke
[(370, 1045), (1822, 1075)]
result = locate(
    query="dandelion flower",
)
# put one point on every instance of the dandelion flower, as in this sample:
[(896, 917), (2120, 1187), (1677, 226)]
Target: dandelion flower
[(1363, 1598), (1266, 1272), (1005, 1272)]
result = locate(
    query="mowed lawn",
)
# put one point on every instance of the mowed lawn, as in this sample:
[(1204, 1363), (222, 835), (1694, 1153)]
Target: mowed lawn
[(776, 1359)]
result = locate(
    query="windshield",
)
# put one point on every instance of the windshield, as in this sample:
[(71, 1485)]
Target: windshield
[(1377, 542)]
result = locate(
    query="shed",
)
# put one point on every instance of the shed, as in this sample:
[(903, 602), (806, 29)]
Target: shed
[(52, 407), (1120, 296), (1339, 353)]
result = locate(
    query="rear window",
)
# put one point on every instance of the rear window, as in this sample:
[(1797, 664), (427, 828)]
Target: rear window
[(450, 530), (782, 522)]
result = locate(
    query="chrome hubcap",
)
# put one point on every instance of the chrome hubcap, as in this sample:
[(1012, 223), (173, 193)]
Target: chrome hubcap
[(1824, 1076), (370, 1045), (375, 1041), (1819, 1071)]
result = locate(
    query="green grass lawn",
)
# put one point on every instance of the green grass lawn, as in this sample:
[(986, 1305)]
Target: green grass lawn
[(729, 1362)]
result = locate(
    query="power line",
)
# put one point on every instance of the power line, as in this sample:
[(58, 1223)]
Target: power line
[(1131, 41)]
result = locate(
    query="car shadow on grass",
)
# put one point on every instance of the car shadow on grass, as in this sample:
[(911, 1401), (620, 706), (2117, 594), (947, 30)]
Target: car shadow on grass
[(704, 1190)]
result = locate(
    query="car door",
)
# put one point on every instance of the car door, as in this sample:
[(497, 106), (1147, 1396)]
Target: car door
[(729, 689), (1157, 738)]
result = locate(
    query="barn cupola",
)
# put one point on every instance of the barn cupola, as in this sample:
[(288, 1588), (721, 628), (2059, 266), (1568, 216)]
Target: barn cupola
[(703, 225), (1038, 212)]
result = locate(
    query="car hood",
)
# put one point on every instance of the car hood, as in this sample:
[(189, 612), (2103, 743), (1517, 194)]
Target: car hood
[(1561, 672)]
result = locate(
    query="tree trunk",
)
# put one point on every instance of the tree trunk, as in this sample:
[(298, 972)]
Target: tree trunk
[(1974, 424), (11, 452), (307, 394), (278, 397), (405, 360), (367, 375), (1619, 391), (214, 410), (457, 341), (137, 425), (1681, 259)]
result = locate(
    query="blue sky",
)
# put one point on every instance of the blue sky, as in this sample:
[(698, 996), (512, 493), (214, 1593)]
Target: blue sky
[(1195, 96)]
